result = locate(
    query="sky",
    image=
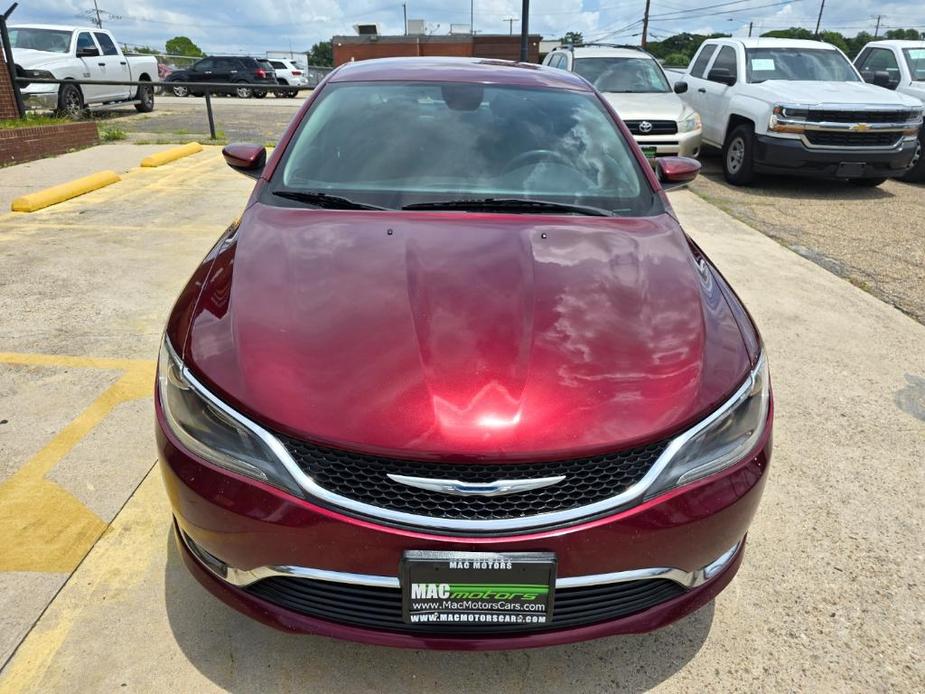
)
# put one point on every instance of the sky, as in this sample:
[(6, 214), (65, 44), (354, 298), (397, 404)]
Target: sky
[(256, 26)]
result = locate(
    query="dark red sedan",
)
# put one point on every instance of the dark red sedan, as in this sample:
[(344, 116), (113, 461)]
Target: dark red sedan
[(457, 378)]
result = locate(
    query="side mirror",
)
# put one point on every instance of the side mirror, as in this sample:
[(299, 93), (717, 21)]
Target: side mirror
[(722, 75), (882, 79), (87, 52), (680, 87), (674, 172), (246, 159)]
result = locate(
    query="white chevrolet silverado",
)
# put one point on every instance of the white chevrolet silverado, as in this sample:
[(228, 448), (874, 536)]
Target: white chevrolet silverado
[(900, 66), (789, 106), (75, 53)]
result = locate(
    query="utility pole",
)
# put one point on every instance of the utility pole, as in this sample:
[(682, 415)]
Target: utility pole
[(472, 17), (750, 24), (524, 30), (819, 20), (510, 24), (877, 30), (645, 25), (404, 14), (99, 20)]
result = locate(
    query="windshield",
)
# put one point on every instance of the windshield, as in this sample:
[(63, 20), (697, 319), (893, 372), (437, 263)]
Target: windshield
[(808, 64), (393, 144), (50, 40), (632, 75), (915, 57)]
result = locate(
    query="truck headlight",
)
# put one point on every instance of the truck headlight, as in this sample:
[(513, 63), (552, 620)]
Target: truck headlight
[(723, 438), (689, 123), (213, 431), (786, 119), (35, 74)]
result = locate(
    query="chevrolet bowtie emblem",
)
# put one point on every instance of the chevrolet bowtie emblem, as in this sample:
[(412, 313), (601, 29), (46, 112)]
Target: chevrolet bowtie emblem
[(460, 488), (860, 127)]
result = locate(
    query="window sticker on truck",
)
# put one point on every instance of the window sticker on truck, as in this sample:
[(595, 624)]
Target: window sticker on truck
[(917, 53), (763, 64)]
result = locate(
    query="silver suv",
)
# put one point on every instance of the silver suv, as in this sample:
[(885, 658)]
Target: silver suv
[(635, 85)]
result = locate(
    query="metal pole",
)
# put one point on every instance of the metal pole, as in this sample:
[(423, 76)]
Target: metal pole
[(472, 17), (877, 30), (10, 65), (750, 29), (645, 26), (99, 20), (819, 19), (404, 14), (524, 30), (209, 111)]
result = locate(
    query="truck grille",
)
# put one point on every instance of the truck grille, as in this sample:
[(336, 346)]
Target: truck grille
[(843, 139), (659, 127), (363, 478), (380, 608), (836, 116)]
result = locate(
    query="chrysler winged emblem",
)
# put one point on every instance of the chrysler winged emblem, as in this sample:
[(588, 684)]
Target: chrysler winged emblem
[(460, 488)]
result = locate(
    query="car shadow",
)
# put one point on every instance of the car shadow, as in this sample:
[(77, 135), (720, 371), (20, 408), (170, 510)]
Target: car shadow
[(796, 187), (239, 654)]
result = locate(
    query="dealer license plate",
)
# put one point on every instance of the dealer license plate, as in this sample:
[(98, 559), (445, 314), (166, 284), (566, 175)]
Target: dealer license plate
[(650, 152), (473, 588)]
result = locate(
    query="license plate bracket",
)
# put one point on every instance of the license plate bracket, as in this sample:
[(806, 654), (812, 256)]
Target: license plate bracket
[(477, 588), (850, 169)]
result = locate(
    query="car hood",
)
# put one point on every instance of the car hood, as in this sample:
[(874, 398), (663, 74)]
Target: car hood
[(830, 94), (648, 106), (464, 336), (29, 59)]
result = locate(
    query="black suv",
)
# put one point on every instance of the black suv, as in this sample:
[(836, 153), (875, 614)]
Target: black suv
[(245, 74)]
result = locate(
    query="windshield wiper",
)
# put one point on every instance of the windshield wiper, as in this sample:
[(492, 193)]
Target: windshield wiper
[(330, 202), (510, 205)]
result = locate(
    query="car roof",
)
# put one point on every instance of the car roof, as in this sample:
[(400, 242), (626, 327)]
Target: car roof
[(771, 42), (54, 27), (898, 43), (442, 69), (606, 52)]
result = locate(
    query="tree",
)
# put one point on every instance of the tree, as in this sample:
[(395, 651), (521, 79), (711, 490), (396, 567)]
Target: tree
[(321, 54), (835, 39), (904, 34), (573, 38), (791, 33), (680, 47), (182, 45)]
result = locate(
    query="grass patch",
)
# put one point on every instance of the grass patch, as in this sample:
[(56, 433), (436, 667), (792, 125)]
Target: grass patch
[(110, 133), (32, 120)]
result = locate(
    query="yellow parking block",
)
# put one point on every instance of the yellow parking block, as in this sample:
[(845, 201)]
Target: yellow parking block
[(64, 191), (171, 154)]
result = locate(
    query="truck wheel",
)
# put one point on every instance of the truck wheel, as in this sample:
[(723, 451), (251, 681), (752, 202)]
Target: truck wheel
[(179, 90), (867, 182), (737, 156), (71, 101), (916, 174), (145, 96), (260, 93), (243, 92)]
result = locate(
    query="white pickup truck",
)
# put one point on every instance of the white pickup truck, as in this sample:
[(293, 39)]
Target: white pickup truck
[(788, 106), (900, 66), (44, 51)]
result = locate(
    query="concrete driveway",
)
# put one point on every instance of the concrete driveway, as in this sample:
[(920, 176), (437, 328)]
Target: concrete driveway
[(830, 595)]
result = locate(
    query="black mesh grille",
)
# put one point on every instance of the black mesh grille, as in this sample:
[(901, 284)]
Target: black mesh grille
[(836, 116), (364, 478), (380, 608), (659, 127), (831, 139)]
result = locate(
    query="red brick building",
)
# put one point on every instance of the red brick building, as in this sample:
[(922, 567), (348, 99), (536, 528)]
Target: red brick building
[(7, 98), (497, 46)]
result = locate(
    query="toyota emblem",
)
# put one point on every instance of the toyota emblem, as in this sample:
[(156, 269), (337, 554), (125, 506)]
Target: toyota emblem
[(645, 127)]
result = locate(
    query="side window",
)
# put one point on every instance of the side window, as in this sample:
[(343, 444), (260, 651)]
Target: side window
[(109, 48), (85, 42), (277, 65), (726, 60), (700, 65), (206, 65), (881, 59)]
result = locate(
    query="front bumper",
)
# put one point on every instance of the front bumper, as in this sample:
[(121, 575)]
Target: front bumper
[(779, 155), (679, 144), (262, 532)]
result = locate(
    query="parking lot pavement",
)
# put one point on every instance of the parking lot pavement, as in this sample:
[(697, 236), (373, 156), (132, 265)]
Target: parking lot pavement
[(829, 597), (236, 120), (874, 237), (84, 290)]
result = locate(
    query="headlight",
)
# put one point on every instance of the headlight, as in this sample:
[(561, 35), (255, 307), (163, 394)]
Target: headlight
[(214, 432), (35, 74), (787, 119), (722, 439), (690, 123)]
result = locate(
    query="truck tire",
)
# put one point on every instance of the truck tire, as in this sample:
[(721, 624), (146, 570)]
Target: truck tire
[(71, 101), (916, 174), (738, 153), (145, 96), (260, 93), (867, 182), (179, 90)]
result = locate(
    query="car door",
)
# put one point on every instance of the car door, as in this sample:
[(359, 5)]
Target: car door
[(696, 77), (94, 67), (716, 95), (114, 66), (202, 71), (879, 60)]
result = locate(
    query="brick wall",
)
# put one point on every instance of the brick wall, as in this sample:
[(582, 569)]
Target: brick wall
[(25, 144), (7, 100)]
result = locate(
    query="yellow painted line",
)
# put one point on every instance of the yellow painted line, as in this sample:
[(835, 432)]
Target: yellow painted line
[(65, 191), (42, 526), (73, 362), (172, 154)]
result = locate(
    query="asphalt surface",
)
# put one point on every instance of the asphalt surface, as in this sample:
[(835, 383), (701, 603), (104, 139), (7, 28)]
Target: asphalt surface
[(873, 237), (829, 597)]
